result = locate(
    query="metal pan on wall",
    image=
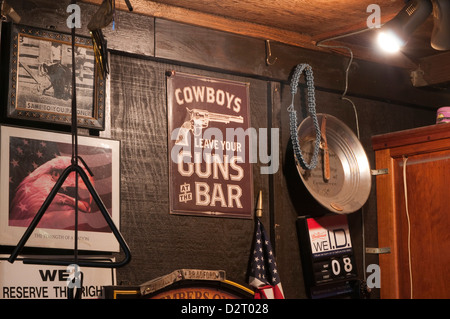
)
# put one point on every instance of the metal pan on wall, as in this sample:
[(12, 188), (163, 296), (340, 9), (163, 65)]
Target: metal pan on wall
[(343, 185)]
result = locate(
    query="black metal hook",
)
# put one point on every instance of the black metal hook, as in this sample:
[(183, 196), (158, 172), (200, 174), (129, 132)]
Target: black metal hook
[(269, 54)]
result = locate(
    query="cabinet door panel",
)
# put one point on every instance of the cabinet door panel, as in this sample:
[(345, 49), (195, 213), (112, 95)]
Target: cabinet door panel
[(428, 193)]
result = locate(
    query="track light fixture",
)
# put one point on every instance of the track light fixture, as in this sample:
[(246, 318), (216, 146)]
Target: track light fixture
[(396, 33), (7, 11)]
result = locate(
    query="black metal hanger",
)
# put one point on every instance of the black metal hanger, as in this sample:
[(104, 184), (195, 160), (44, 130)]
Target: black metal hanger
[(74, 167)]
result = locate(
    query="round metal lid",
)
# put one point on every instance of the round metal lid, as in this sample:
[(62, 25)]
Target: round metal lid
[(346, 186)]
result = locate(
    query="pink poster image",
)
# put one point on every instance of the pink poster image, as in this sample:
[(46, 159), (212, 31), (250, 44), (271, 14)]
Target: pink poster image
[(36, 165)]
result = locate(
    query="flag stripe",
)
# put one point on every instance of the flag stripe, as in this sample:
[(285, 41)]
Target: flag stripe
[(264, 275)]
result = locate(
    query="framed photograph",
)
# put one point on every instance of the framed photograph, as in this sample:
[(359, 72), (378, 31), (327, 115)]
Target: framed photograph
[(31, 162), (40, 78)]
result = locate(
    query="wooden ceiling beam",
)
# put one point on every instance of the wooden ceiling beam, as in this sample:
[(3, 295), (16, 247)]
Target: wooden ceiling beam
[(245, 28), (432, 70), (215, 22)]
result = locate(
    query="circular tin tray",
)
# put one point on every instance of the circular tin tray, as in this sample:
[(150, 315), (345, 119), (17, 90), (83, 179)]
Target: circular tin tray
[(349, 183)]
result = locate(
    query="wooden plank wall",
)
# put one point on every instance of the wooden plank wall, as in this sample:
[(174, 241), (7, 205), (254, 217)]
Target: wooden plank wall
[(160, 241), (142, 49)]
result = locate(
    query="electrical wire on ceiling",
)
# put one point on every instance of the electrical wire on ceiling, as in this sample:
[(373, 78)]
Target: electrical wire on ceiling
[(345, 98)]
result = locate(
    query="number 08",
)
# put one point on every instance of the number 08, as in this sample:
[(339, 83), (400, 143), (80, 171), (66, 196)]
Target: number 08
[(336, 266)]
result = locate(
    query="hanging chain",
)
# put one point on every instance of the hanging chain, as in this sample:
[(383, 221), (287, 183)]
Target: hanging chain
[(312, 111)]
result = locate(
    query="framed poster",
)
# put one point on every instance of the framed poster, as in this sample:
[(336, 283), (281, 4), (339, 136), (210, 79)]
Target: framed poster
[(40, 78), (31, 162), (210, 173)]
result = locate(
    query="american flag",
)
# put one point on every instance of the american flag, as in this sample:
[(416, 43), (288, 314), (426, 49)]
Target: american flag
[(264, 275), (25, 156)]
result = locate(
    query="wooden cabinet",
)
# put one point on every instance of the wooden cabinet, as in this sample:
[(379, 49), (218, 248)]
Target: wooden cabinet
[(416, 227)]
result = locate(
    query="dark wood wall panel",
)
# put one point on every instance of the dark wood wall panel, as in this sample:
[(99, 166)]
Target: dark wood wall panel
[(293, 200), (138, 122), (216, 47), (244, 55), (134, 35), (160, 242)]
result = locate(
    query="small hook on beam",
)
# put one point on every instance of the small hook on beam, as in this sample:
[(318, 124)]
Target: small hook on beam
[(269, 54)]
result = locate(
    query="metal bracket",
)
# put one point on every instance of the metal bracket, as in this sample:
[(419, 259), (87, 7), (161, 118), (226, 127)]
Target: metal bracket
[(376, 172), (7, 11), (384, 250)]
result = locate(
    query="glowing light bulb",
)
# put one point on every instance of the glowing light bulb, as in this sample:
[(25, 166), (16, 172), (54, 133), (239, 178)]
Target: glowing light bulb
[(389, 42)]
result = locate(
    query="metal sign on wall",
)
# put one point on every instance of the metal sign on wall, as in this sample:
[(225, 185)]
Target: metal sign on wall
[(24, 281), (210, 170)]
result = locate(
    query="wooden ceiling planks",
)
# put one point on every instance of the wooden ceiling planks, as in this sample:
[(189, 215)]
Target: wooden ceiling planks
[(311, 17), (300, 23)]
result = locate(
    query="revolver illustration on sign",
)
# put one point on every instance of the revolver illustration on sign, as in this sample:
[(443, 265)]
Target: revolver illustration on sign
[(199, 119)]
